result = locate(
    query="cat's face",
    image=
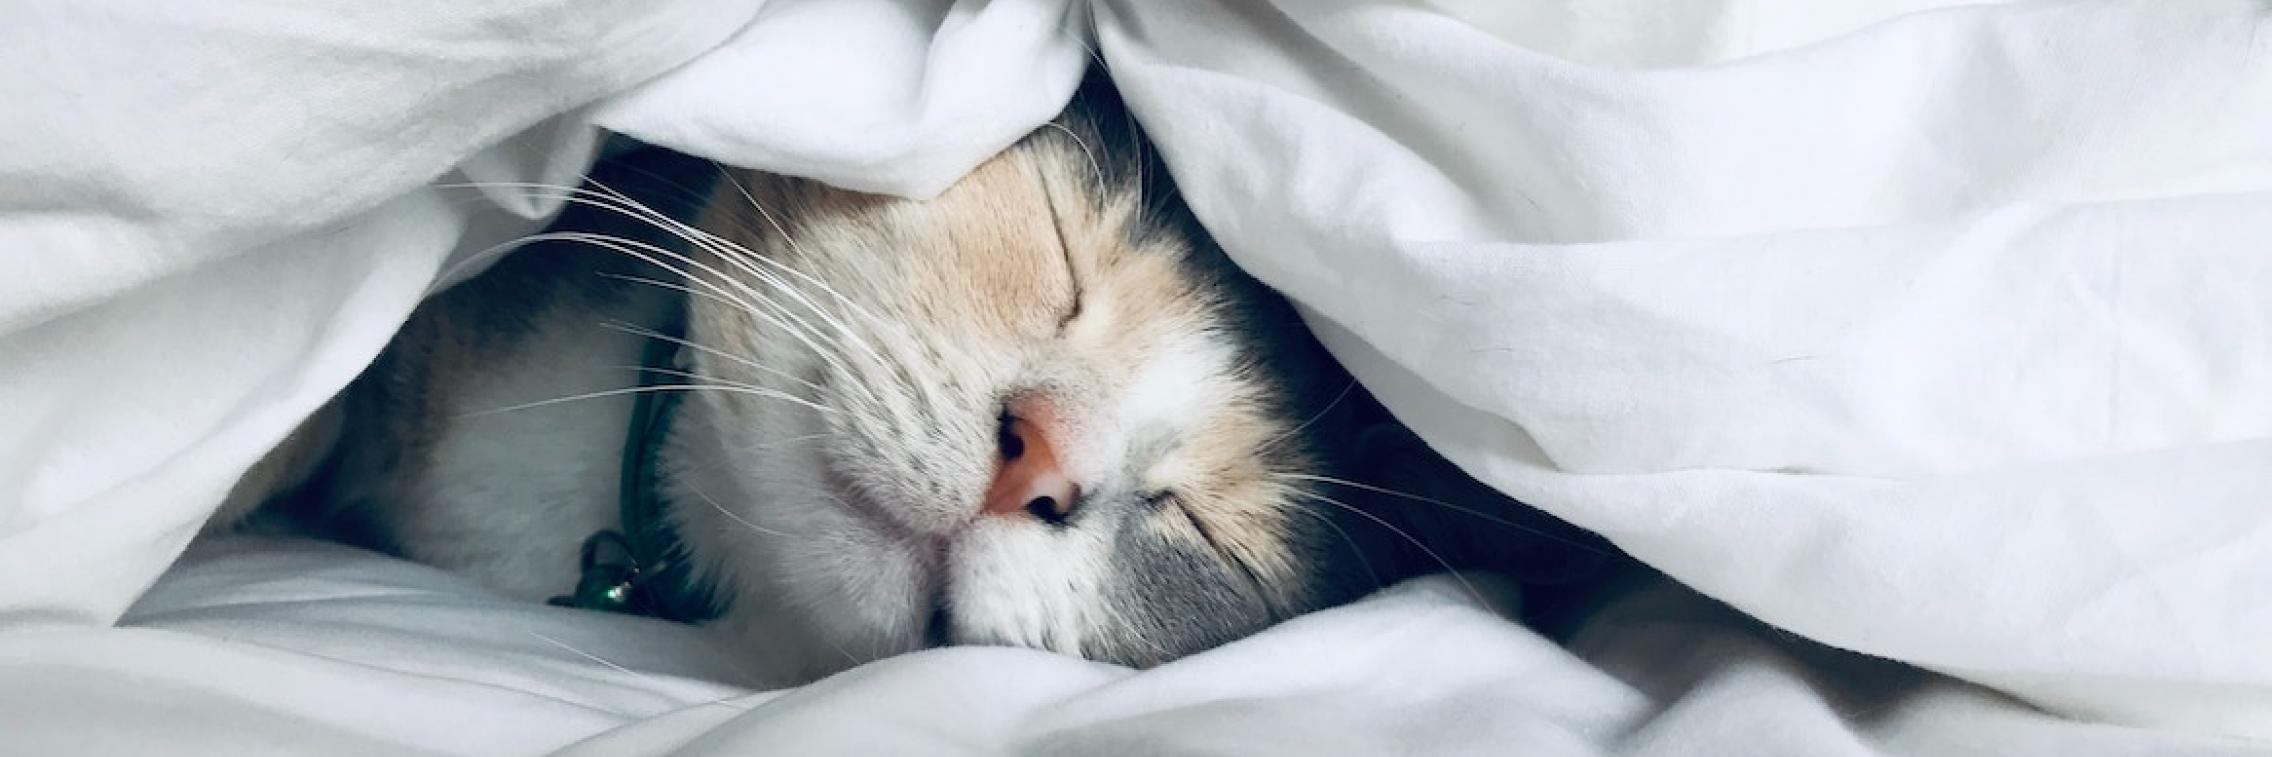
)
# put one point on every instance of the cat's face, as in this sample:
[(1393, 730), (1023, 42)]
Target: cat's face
[(1031, 411)]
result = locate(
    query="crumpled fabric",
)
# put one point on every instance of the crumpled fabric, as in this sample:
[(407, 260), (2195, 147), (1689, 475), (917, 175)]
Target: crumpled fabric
[(1934, 331)]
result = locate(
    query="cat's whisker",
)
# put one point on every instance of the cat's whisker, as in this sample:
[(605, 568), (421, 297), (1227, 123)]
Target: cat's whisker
[(1086, 152), (1416, 542), (790, 486), (644, 389), (1329, 406), (644, 678), (900, 343), (783, 442), (738, 257), (1449, 506), (1354, 548), (748, 679), (839, 647), (859, 408), (773, 313), (730, 515), (1082, 37), (726, 384), (721, 461), (837, 340), (616, 202), (742, 256), (1086, 16), (726, 249), (447, 277), (710, 380), (783, 232), (636, 330), (639, 250)]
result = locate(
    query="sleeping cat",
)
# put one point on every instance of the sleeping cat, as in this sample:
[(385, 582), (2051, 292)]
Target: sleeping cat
[(1041, 409)]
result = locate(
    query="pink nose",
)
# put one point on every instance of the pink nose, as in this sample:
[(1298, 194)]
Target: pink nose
[(1030, 478)]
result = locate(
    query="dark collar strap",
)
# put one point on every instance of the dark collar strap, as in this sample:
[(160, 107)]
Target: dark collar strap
[(642, 568)]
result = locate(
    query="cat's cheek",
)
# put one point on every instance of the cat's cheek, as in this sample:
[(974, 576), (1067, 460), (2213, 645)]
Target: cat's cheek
[(852, 582)]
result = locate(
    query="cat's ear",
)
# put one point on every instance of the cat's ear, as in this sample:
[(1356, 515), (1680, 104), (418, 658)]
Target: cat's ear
[(1465, 521)]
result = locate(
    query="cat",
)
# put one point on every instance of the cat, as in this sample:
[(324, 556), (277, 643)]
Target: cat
[(1041, 409)]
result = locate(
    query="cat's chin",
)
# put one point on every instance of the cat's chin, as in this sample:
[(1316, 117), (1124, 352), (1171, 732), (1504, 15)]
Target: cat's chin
[(819, 577)]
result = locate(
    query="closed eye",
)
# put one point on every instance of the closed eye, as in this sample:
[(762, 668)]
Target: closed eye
[(1065, 248), (1166, 498)]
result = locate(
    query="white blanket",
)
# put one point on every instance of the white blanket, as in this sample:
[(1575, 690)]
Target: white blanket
[(258, 647), (1937, 331)]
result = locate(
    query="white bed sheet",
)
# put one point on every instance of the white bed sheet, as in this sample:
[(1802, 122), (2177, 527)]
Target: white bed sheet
[(1933, 330), (268, 646)]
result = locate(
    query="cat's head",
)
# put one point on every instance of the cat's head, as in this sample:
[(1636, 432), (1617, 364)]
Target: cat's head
[(1041, 409)]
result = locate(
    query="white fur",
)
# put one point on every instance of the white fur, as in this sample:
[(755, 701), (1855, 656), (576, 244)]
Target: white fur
[(1176, 385), (546, 475), (1015, 581)]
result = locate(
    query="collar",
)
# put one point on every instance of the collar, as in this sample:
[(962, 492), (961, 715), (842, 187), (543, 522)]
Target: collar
[(640, 568)]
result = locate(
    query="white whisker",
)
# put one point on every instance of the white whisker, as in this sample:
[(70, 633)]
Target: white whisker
[(1354, 547), (638, 249), (1455, 574), (739, 519), (1449, 506), (741, 257), (644, 389), (783, 442), (725, 250), (783, 232), (727, 384), (596, 658), (1086, 152), (1274, 441), (689, 375), (636, 330), (627, 207)]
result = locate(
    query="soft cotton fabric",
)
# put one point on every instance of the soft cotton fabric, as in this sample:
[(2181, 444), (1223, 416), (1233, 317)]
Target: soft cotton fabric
[(1946, 339), (267, 647), (1936, 331)]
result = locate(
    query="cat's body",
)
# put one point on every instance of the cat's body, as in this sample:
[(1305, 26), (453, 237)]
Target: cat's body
[(1040, 410)]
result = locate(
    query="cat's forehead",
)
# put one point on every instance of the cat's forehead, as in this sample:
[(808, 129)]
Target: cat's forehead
[(1037, 243), (1035, 223)]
